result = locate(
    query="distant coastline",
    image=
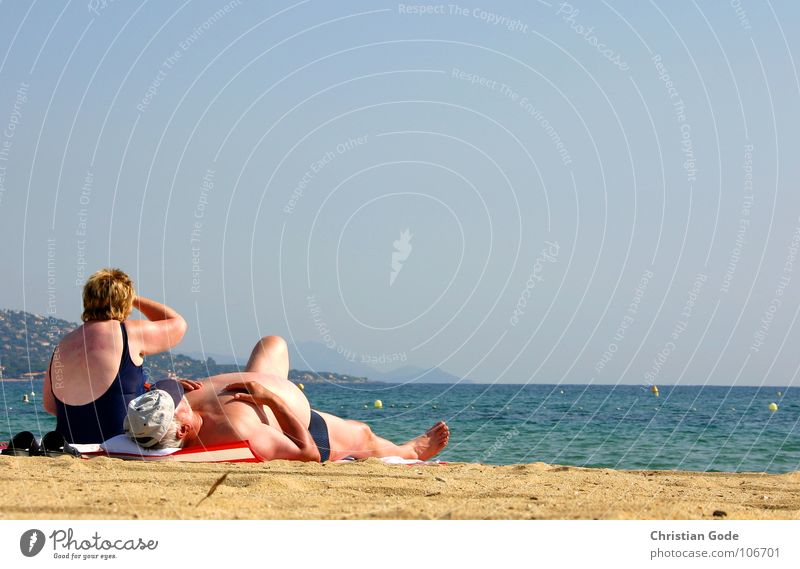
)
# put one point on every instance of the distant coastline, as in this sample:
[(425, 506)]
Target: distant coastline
[(27, 341)]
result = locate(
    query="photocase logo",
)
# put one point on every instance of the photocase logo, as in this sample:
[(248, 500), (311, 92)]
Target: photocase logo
[(402, 249), (31, 542)]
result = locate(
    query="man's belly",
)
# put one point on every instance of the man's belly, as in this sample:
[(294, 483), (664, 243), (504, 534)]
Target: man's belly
[(225, 418)]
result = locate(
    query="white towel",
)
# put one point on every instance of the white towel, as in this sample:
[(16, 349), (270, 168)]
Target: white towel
[(122, 444)]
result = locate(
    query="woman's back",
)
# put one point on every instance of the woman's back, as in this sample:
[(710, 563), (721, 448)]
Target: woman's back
[(87, 361), (93, 378)]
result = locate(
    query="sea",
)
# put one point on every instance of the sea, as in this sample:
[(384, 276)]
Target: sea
[(707, 429)]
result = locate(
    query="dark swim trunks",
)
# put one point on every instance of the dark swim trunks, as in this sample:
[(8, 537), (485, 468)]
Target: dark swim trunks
[(319, 432)]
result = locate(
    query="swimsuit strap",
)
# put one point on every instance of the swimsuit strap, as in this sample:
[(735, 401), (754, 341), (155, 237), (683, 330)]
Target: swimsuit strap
[(125, 351)]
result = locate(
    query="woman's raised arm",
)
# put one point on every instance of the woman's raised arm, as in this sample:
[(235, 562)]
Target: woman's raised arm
[(163, 329)]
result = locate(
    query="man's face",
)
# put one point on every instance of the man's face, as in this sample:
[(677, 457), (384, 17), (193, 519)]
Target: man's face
[(183, 412)]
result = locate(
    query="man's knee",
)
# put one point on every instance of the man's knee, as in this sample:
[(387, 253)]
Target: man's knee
[(365, 432), (272, 344)]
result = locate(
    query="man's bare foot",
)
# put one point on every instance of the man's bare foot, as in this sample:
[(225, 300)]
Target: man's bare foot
[(431, 443)]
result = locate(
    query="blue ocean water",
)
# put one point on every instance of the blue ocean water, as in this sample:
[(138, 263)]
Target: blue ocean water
[(626, 427)]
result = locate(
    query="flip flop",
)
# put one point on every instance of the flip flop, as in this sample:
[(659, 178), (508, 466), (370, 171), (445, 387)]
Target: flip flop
[(23, 444), (54, 444)]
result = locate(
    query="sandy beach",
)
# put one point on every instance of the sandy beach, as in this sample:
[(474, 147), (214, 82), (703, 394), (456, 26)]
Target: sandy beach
[(104, 488)]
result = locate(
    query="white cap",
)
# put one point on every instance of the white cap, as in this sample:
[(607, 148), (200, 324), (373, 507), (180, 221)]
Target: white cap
[(150, 415)]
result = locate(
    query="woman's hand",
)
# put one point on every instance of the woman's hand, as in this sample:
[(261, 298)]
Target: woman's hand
[(254, 392)]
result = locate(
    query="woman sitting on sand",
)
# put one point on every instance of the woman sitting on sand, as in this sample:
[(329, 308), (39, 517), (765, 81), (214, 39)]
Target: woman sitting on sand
[(96, 369), (261, 406)]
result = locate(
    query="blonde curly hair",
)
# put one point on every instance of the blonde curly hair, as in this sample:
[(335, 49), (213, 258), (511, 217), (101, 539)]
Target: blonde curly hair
[(108, 295)]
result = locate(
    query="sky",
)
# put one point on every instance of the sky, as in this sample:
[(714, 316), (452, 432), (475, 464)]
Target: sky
[(515, 192)]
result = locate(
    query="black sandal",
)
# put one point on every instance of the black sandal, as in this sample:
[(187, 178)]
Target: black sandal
[(23, 444), (54, 444)]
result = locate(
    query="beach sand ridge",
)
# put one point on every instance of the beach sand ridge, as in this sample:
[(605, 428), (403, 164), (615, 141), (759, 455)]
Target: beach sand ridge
[(104, 488)]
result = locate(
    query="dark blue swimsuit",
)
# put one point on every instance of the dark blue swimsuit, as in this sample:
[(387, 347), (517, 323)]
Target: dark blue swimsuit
[(102, 419)]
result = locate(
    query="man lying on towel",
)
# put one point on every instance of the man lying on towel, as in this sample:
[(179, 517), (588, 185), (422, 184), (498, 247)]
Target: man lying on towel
[(260, 405)]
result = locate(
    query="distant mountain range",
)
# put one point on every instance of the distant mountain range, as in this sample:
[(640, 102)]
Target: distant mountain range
[(27, 342), (318, 356), (225, 359), (315, 355)]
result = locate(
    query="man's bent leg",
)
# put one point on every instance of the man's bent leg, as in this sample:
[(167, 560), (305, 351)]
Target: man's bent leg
[(270, 355), (356, 439)]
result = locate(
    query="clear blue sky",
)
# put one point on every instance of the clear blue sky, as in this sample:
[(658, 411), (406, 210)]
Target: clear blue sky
[(547, 159)]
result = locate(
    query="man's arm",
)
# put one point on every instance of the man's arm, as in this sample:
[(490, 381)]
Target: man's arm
[(268, 443), (163, 329), (295, 443)]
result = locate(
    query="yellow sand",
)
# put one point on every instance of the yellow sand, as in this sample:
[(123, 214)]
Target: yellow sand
[(66, 488)]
